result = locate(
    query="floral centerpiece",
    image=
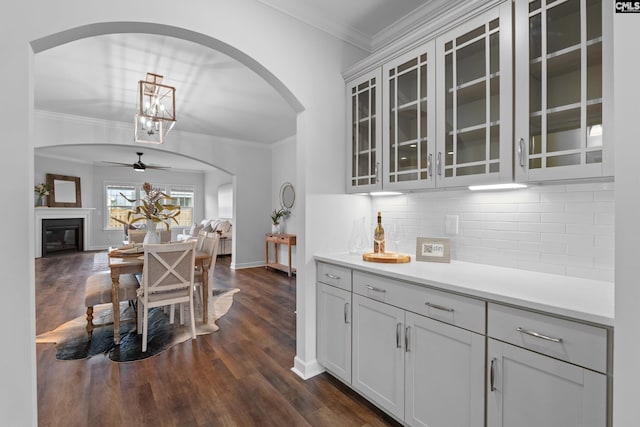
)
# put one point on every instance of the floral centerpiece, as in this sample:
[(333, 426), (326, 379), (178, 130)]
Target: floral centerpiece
[(42, 190), (151, 209)]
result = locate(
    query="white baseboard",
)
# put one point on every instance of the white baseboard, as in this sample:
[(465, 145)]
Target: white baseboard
[(306, 370), (237, 266)]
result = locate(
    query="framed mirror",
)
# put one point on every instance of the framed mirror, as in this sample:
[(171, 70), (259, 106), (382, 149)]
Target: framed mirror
[(287, 195), (64, 191)]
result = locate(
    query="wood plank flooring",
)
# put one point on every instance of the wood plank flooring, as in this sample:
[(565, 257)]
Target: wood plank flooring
[(238, 376)]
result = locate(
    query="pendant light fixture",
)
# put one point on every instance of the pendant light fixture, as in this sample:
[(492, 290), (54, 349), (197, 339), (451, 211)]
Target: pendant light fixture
[(155, 110)]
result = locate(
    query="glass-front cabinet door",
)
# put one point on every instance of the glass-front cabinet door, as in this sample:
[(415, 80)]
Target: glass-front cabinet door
[(363, 133), (409, 127), (559, 89), (474, 101)]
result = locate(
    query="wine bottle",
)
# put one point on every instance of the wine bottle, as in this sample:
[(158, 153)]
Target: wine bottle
[(378, 237)]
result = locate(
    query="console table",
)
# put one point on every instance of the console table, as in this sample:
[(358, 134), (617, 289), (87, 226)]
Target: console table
[(279, 239)]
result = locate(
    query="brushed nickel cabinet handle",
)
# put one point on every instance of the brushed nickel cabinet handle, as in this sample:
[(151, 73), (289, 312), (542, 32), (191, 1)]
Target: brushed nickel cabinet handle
[(439, 163), (521, 151), (439, 307), (398, 333), (492, 374), (538, 335), (430, 165), (331, 276), (346, 312), (371, 288), (406, 338)]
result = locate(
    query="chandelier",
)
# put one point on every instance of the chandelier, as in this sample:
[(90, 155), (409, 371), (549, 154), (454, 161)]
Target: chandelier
[(155, 110)]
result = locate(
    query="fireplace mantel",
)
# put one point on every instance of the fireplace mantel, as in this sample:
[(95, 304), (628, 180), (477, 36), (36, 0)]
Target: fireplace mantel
[(61, 213)]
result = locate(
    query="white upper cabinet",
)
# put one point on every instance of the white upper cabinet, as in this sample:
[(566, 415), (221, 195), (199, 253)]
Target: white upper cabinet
[(409, 119), (474, 109), (364, 133), (560, 91)]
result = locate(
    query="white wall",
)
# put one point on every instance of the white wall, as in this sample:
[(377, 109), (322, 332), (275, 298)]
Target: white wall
[(283, 169), (212, 181), (563, 229), (627, 267), (303, 63)]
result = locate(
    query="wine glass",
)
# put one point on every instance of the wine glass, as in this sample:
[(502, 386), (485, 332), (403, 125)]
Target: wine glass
[(396, 234)]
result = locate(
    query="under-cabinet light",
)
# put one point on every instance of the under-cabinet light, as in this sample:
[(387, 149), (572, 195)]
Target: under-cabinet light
[(384, 193), (509, 186)]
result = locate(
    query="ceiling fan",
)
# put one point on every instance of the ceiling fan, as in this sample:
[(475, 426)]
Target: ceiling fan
[(139, 166)]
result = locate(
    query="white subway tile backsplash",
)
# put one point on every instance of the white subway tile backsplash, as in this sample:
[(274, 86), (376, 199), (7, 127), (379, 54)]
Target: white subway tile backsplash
[(555, 228)]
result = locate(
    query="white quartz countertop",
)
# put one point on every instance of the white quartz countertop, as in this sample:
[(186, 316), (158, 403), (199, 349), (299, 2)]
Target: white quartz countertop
[(582, 299)]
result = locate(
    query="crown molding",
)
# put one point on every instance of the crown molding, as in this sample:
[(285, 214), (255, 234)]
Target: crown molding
[(442, 19), (321, 21)]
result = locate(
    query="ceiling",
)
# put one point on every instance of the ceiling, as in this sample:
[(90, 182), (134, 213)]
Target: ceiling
[(216, 95)]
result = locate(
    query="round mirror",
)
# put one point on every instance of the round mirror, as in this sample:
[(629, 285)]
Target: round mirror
[(287, 195)]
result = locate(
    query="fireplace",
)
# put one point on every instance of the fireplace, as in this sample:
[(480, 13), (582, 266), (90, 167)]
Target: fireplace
[(61, 235)]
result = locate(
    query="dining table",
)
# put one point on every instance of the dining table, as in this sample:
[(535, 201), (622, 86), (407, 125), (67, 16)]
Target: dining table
[(123, 263)]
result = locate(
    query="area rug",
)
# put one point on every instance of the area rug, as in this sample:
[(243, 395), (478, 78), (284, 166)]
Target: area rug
[(72, 342)]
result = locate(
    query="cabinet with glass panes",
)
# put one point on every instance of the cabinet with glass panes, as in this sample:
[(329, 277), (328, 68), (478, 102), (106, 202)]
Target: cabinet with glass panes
[(560, 91), (363, 133), (409, 108), (474, 111)]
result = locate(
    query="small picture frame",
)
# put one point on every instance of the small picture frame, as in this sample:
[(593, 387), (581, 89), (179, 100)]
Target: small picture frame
[(432, 249)]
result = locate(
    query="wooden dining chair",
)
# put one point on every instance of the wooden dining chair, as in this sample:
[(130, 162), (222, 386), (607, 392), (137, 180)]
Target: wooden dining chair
[(210, 245), (167, 279)]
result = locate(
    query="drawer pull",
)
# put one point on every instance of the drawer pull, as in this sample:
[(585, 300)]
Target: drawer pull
[(346, 312), (398, 333), (371, 288), (331, 276), (538, 335), (438, 307)]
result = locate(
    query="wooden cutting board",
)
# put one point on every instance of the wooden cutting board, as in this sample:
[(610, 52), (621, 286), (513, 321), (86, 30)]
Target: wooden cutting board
[(388, 257)]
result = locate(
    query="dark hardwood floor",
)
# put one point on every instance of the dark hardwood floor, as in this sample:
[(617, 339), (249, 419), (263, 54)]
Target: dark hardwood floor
[(238, 376)]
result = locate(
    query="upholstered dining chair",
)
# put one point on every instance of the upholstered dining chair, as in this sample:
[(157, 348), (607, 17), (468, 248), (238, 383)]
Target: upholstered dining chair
[(167, 279)]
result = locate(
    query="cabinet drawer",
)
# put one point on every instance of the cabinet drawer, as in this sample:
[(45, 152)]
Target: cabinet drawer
[(574, 342), (334, 275), (458, 310)]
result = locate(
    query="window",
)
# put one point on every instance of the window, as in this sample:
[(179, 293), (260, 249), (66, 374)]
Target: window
[(118, 206), (183, 198)]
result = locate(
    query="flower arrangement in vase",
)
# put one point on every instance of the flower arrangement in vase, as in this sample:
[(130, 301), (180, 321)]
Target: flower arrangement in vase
[(152, 211), (42, 190), (276, 215)]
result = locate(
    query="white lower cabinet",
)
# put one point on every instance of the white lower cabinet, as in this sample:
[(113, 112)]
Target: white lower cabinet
[(444, 374), (378, 353), (434, 358), (422, 371), (544, 371), (334, 330), (527, 389)]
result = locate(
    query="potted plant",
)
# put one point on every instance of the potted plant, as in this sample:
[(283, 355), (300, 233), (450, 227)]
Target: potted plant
[(41, 190), (152, 211), (276, 215)]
